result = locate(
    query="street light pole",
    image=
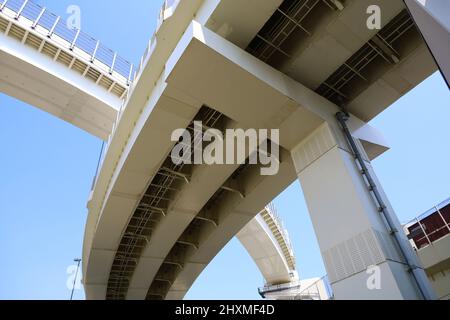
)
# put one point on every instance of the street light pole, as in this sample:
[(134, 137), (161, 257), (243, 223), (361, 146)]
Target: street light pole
[(78, 260)]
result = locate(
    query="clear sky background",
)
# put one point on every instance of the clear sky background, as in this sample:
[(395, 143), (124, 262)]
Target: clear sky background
[(47, 166)]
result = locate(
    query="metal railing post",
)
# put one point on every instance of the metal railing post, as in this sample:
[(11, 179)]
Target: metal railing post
[(111, 70), (423, 230), (35, 23), (141, 65), (3, 5), (72, 45), (130, 73), (50, 33), (95, 51), (21, 9), (442, 217)]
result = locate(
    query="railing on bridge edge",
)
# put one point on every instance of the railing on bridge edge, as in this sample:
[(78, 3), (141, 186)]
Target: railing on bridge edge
[(279, 288), (430, 226), (311, 291), (52, 26), (272, 210), (135, 74), (168, 6)]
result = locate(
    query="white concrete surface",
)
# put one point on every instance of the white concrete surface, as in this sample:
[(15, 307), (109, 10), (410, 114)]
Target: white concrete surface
[(433, 19), (351, 232)]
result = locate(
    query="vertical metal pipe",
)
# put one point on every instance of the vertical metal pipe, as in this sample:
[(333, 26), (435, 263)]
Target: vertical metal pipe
[(417, 273)]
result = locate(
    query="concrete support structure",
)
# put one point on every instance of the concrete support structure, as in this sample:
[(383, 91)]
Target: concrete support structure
[(351, 231), (197, 64), (151, 230)]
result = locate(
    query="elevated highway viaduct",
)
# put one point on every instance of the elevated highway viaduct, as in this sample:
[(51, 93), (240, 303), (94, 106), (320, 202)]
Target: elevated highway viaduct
[(290, 65), (154, 225)]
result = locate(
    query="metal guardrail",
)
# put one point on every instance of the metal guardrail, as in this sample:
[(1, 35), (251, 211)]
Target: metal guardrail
[(168, 4), (271, 209), (133, 76), (52, 26), (430, 226), (429, 212), (312, 291), (279, 287)]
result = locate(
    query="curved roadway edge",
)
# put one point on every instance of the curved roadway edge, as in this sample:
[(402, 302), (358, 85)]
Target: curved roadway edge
[(268, 244), (166, 38), (266, 250)]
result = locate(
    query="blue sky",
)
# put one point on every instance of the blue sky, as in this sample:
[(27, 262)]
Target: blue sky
[(47, 166)]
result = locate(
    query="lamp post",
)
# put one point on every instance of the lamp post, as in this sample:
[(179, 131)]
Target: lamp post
[(78, 260)]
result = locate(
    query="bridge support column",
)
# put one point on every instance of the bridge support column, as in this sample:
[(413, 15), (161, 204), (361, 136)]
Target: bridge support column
[(362, 258)]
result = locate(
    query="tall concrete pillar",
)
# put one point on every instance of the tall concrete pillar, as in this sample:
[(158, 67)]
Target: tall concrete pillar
[(352, 233)]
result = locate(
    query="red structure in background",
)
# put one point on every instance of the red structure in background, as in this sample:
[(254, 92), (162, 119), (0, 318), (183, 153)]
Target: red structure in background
[(430, 226)]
